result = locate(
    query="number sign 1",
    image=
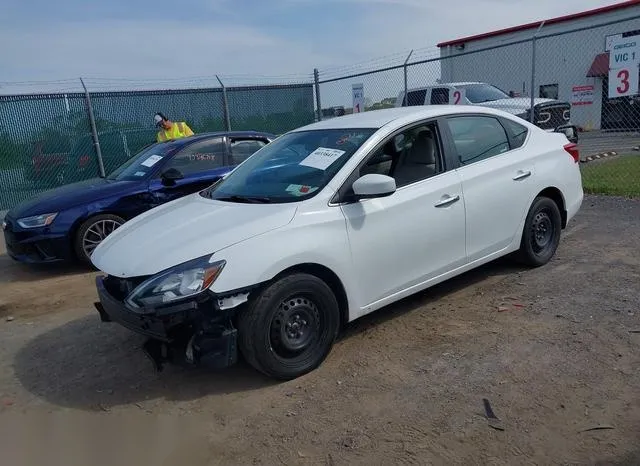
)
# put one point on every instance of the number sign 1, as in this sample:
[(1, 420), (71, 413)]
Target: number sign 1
[(457, 97), (623, 81), (357, 91)]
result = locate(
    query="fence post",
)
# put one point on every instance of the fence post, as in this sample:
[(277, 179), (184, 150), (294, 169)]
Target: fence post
[(225, 104), (533, 72), (405, 99), (316, 80), (94, 131)]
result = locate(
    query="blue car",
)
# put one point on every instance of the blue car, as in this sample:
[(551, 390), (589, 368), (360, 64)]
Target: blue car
[(67, 223)]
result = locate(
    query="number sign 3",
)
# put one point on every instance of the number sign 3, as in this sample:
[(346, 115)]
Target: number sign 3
[(623, 82)]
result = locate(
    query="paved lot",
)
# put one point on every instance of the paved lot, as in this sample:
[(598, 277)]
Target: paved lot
[(404, 386), (596, 142)]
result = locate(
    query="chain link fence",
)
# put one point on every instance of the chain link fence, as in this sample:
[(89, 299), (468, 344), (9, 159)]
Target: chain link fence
[(47, 140), (562, 74)]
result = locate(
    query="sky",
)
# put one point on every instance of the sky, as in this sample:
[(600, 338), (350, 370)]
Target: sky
[(115, 42)]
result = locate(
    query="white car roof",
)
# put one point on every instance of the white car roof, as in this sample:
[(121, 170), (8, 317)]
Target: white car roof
[(379, 118), (465, 83)]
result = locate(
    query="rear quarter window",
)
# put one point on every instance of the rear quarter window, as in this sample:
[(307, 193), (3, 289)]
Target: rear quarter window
[(517, 132)]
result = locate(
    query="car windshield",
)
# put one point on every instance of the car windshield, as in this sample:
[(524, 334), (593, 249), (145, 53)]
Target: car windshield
[(141, 164), (293, 167), (478, 93)]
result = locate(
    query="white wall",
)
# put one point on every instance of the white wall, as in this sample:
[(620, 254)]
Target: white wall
[(562, 60)]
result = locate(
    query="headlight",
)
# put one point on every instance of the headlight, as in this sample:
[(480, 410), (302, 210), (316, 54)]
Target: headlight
[(178, 282), (36, 221)]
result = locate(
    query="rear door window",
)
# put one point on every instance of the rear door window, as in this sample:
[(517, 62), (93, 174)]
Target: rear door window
[(199, 157), (477, 138)]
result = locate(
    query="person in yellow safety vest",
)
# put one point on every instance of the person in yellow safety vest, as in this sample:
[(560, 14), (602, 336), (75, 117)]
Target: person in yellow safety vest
[(169, 130)]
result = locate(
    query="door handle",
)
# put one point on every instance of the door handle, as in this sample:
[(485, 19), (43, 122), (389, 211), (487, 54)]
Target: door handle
[(448, 201), (522, 175)]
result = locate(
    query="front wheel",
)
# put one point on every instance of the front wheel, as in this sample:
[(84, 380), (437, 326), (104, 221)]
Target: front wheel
[(290, 327), (541, 234), (92, 232)]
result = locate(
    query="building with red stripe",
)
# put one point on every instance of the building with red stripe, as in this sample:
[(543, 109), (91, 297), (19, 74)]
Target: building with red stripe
[(571, 63)]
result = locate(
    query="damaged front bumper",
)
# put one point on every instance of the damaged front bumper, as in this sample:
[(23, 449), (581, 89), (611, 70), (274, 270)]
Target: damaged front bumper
[(194, 332)]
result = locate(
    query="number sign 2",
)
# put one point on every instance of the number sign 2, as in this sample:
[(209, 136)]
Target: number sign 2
[(623, 82), (457, 97)]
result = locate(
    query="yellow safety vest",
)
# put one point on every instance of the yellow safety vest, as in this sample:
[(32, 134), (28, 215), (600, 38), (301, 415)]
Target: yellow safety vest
[(178, 130)]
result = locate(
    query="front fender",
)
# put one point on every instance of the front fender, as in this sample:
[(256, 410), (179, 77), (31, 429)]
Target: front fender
[(261, 258)]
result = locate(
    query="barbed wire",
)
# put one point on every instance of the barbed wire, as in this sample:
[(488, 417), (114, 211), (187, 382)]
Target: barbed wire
[(99, 83), (396, 59)]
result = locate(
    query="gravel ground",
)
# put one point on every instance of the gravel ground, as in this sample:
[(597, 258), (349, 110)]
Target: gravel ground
[(553, 349)]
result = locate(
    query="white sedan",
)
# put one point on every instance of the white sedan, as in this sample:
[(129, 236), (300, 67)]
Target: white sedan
[(330, 222)]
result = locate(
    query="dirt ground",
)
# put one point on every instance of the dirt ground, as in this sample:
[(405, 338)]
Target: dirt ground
[(555, 350)]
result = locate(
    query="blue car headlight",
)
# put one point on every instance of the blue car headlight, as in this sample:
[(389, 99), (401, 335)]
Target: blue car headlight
[(37, 221), (179, 282)]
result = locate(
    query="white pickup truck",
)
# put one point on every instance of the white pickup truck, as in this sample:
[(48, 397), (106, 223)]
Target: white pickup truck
[(549, 114)]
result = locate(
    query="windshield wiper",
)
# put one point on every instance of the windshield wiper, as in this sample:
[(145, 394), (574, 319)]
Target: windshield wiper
[(246, 199)]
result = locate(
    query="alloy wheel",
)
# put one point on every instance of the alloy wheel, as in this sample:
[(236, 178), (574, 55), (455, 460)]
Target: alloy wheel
[(96, 233)]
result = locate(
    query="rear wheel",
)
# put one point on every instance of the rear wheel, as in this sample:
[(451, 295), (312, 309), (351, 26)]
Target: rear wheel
[(92, 232), (541, 234), (290, 327)]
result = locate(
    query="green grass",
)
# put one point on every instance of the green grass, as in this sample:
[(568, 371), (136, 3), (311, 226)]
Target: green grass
[(619, 176)]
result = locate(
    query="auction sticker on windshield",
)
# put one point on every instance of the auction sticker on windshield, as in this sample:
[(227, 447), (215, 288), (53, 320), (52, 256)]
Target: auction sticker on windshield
[(299, 189), (151, 161), (322, 158)]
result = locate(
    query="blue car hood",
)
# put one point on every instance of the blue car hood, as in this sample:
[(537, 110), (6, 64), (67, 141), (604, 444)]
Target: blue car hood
[(68, 196)]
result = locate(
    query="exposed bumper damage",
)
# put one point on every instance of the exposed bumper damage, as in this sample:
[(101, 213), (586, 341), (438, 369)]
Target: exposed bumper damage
[(195, 332)]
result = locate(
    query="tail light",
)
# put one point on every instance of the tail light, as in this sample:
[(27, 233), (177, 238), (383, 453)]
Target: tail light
[(573, 151)]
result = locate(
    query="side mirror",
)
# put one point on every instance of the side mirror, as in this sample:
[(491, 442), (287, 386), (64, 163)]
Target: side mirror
[(571, 132), (170, 176), (373, 185)]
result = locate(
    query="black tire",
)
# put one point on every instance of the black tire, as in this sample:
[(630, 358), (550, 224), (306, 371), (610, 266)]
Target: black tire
[(289, 328), (86, 230), (541, 234)]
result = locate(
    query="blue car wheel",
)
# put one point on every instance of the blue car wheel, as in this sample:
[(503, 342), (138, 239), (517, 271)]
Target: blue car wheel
[(92, 232)]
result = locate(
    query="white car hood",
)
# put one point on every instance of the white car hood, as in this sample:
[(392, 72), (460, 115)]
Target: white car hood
[(514, 105), (182, 230)]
